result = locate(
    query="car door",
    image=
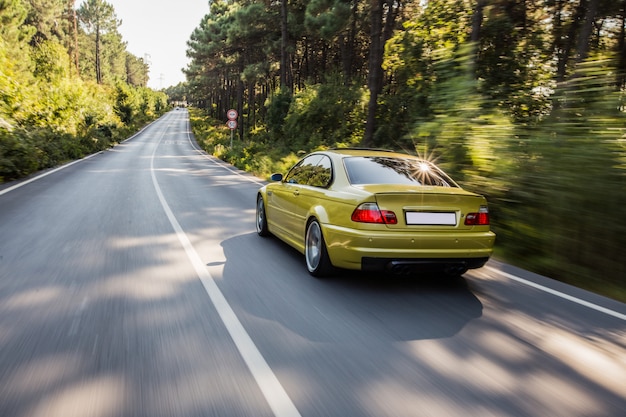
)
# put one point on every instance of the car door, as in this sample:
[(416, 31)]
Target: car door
[(314, 180), (287, 206)]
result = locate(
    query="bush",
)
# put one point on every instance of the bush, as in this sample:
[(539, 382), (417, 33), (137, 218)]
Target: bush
[(17, 157)]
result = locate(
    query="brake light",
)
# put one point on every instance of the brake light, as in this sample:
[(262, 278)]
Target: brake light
[(370, 213), (478, 219)]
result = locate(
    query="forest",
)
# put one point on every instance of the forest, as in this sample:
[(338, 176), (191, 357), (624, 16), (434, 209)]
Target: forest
[(520, 100), (68, 86)]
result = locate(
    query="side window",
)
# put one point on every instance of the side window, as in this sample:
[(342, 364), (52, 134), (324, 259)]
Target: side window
[(301, 173), (322, 173), (314, 170)]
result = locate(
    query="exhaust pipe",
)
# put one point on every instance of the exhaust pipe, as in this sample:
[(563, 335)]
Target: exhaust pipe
[(409, 267)]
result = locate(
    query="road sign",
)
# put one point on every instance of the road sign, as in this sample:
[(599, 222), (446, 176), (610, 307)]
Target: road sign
[(232, 115), (232, 124)]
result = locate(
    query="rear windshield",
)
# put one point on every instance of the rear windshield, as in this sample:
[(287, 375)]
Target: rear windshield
[(385, 170)]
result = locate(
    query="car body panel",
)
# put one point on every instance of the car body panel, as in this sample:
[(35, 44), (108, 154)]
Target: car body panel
[(288, 209), (347, 247), (280, 205)]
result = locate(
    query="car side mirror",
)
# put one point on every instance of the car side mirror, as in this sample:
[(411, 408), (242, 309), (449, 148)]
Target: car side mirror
[(276, 177)]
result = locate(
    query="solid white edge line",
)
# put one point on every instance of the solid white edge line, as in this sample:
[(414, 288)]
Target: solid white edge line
[(272, 390), (217, 161), (560, 294), (45, 174)]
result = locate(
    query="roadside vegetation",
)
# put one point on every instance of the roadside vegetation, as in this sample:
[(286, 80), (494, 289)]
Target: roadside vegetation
[(68, 87), (520, 101)]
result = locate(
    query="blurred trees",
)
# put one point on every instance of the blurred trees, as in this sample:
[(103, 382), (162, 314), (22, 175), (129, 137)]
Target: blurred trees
[(520, 100), (66, 89)]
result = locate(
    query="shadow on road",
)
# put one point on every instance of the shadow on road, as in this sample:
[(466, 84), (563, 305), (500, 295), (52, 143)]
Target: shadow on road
[(395, 307)]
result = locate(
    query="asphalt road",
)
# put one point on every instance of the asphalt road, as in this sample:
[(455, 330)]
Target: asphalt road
[(132, 283)]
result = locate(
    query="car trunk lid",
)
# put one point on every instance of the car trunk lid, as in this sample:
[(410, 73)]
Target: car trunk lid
[(428, 208)]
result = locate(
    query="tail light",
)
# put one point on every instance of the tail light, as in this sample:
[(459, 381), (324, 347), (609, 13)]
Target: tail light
[(370, 213), (478, 219)]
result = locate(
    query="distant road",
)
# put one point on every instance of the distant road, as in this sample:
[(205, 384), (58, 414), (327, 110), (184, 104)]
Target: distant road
[(133, 284)]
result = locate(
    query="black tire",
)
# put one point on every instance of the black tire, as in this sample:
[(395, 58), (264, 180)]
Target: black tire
[(317, 260), (261, 217)]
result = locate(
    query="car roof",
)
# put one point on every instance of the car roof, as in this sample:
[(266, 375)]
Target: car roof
[(345, 152)]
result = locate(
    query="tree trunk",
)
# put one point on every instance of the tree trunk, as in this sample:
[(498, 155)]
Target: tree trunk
[(621, 68), (375, 75), (379, 35), (251, 103), (73, 20), (98, 65), (347, 53), (477, 20), (285, 79), (582, 49), (568, 43), (240, 91)]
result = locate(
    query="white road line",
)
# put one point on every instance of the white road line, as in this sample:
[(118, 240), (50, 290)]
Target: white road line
[(217, 162), (45, 174), (560, 294), (272, 390)]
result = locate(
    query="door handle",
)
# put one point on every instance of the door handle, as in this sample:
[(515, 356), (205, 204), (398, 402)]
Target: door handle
[(296, 193)]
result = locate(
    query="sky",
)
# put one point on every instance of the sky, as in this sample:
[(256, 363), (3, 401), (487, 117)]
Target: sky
[(158, 30)]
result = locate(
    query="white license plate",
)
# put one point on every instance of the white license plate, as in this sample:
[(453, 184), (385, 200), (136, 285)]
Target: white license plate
[(431, 218)]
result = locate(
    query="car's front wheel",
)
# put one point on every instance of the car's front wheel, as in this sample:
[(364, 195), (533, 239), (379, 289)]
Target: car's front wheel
[(261, 219), (317, 260)]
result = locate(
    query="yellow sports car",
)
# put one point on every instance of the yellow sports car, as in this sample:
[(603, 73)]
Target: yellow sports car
[(375, 210)]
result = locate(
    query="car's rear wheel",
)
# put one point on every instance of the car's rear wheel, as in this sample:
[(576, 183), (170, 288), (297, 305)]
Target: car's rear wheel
[(261, 219), (317, 260)]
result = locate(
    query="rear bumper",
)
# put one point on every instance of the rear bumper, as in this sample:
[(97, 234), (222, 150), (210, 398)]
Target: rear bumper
[(406, 266), (385, 250)]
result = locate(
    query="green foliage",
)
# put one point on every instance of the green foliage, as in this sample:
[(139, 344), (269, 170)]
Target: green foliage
[(102, 53), (51, 61), (456, 116), (126, 103), (13, 31), (17, 158), (327, 16), (573, 180), (277, 109), (47, 115), (9, 88), (325, 115), (68, 119)]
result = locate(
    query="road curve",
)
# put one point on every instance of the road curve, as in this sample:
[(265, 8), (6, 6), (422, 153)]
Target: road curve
[(132, 283)]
